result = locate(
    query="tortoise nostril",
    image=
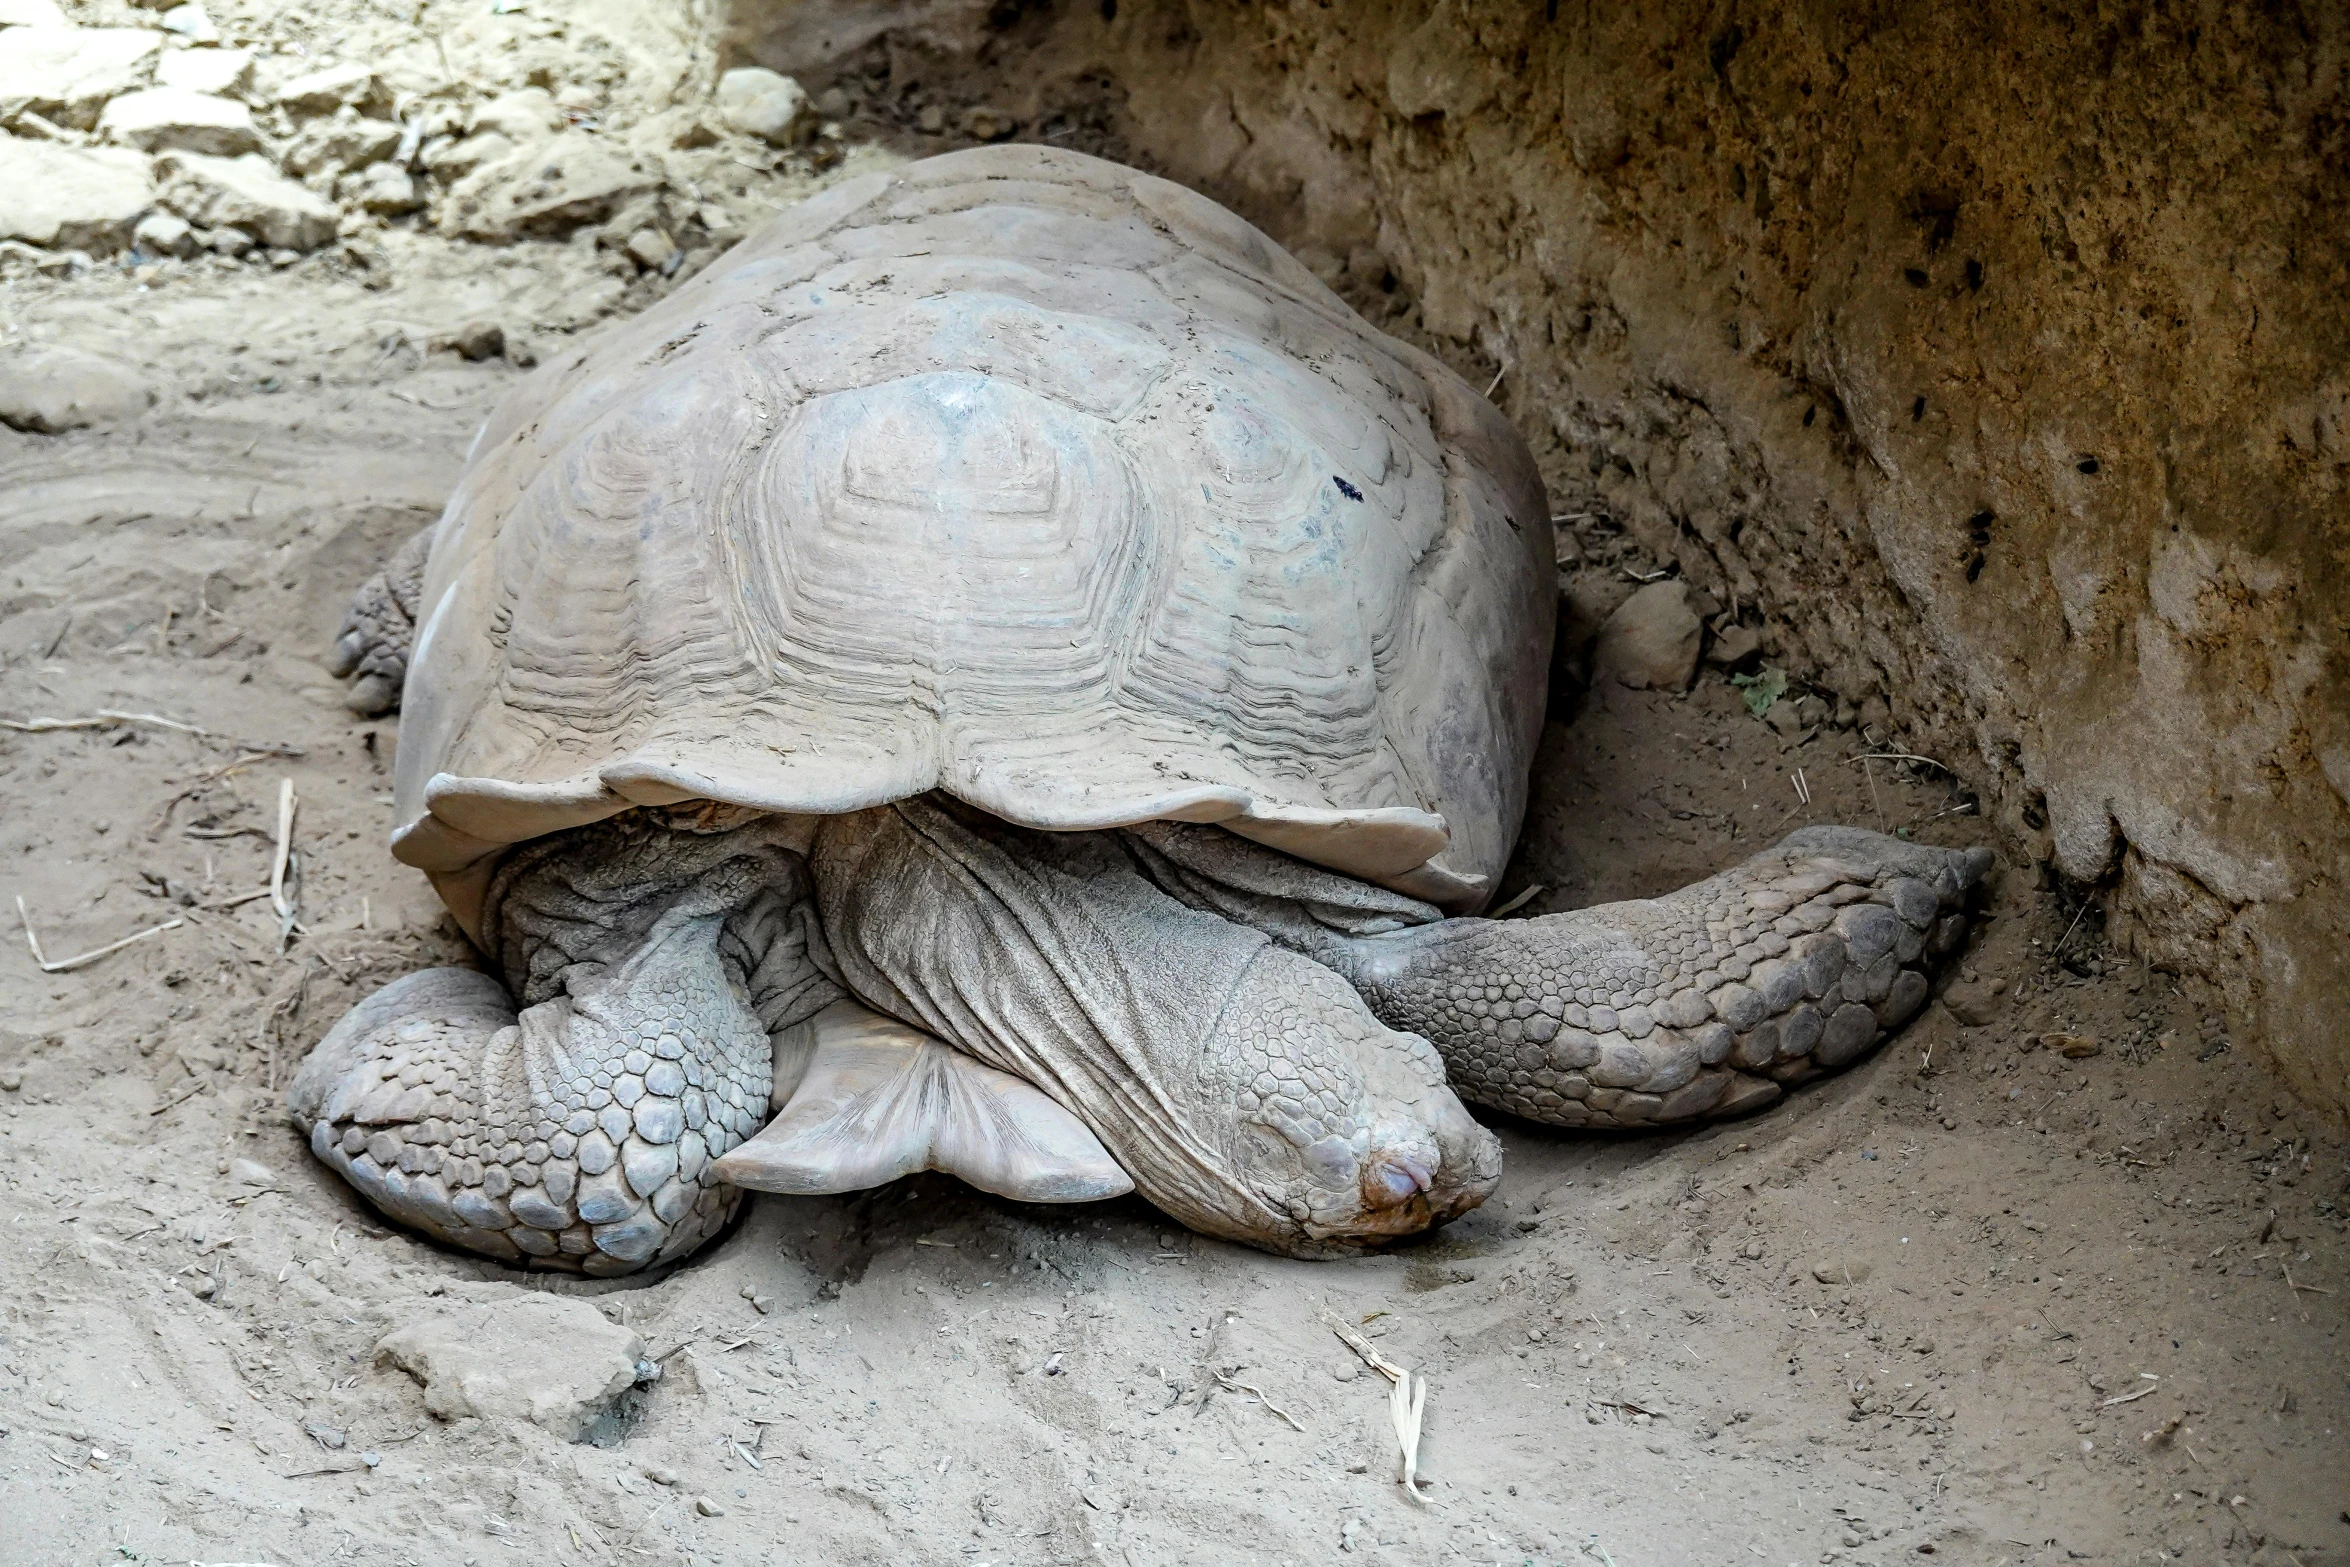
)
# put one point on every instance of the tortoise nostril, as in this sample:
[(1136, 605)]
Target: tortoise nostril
[(1396, 1176)]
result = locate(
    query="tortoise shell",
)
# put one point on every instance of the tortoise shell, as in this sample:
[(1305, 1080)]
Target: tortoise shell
[(1012, 473)]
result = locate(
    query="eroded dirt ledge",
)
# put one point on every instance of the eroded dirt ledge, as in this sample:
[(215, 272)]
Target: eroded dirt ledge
[(1992, 363)]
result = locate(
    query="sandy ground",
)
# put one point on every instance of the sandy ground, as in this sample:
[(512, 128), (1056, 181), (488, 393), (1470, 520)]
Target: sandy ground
[(1973, 1300)]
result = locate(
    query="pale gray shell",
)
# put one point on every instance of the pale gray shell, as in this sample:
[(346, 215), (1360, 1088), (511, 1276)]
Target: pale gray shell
[(1016, 474)]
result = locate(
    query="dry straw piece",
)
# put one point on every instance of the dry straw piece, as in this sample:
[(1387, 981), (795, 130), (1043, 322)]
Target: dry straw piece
[(1407, 1400)]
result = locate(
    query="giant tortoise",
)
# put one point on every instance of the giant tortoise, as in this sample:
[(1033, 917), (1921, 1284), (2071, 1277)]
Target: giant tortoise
[(1005, 673)]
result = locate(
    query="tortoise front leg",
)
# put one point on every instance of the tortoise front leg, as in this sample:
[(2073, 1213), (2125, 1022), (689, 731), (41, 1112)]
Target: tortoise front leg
[(1698, 1004), (379, 628), (579, 1132)]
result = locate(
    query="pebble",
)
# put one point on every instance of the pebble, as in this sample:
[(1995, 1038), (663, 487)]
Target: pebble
[(66, 74), (984, 122), (707, 1508), (11, 1079), (1974, 1002), (161, 234), (162, 118), (326, 90), (1734, 646), (1651, 641), (651, 249), (48, 391), (227, 71), (249, 193), (477, 340), (553, 1360), (761, 103), (72, 198)]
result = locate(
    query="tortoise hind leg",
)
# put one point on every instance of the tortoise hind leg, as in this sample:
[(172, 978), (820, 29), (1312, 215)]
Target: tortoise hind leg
[(579, 1131), (379, 628), (1704, 1003)]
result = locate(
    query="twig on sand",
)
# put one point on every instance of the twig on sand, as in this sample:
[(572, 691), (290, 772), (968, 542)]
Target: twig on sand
[(278, 900), (1407, 1399), (1519, 902), (2069, 929), (62, 965), (1231, 1385), (182, 1097), (104, 718), (1898, 756), (2129, 1398)]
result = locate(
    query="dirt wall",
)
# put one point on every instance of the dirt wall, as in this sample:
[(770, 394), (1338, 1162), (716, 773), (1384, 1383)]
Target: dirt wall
[(1993, 361)]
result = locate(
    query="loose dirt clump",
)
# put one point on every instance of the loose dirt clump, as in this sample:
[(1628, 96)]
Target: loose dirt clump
[(2058, 1275)]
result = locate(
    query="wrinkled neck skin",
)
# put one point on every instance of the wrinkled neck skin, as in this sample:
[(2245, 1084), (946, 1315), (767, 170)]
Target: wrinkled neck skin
[(1367, 934)]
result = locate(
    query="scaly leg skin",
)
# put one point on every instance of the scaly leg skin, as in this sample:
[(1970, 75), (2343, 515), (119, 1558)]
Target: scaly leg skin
[(1701, 1004), (378, 629), (579, 1133), (1246, 1089)]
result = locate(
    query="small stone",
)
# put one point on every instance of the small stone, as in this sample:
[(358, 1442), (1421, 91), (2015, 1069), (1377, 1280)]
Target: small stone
[(1971, 1001), (385, 188), (192, 22), (341, 143), (225, 71), (66, 74), (249, 1172), (250, 194), (325, 91), (760, 103), (548, 188), (163, 118), (1345, 1371), (651, 248), (551, 1359), (1841, 1272), (1651, 641), (161, 234), (326, 1435), (453, 160), (10, 1079), (478, 340), (1734, 646), (1924, 1346), (46, 391), (231, 242), (525, 115), (71, 198), (660, 1474), (2074, 1047), (984, 122), (708, 1508)]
